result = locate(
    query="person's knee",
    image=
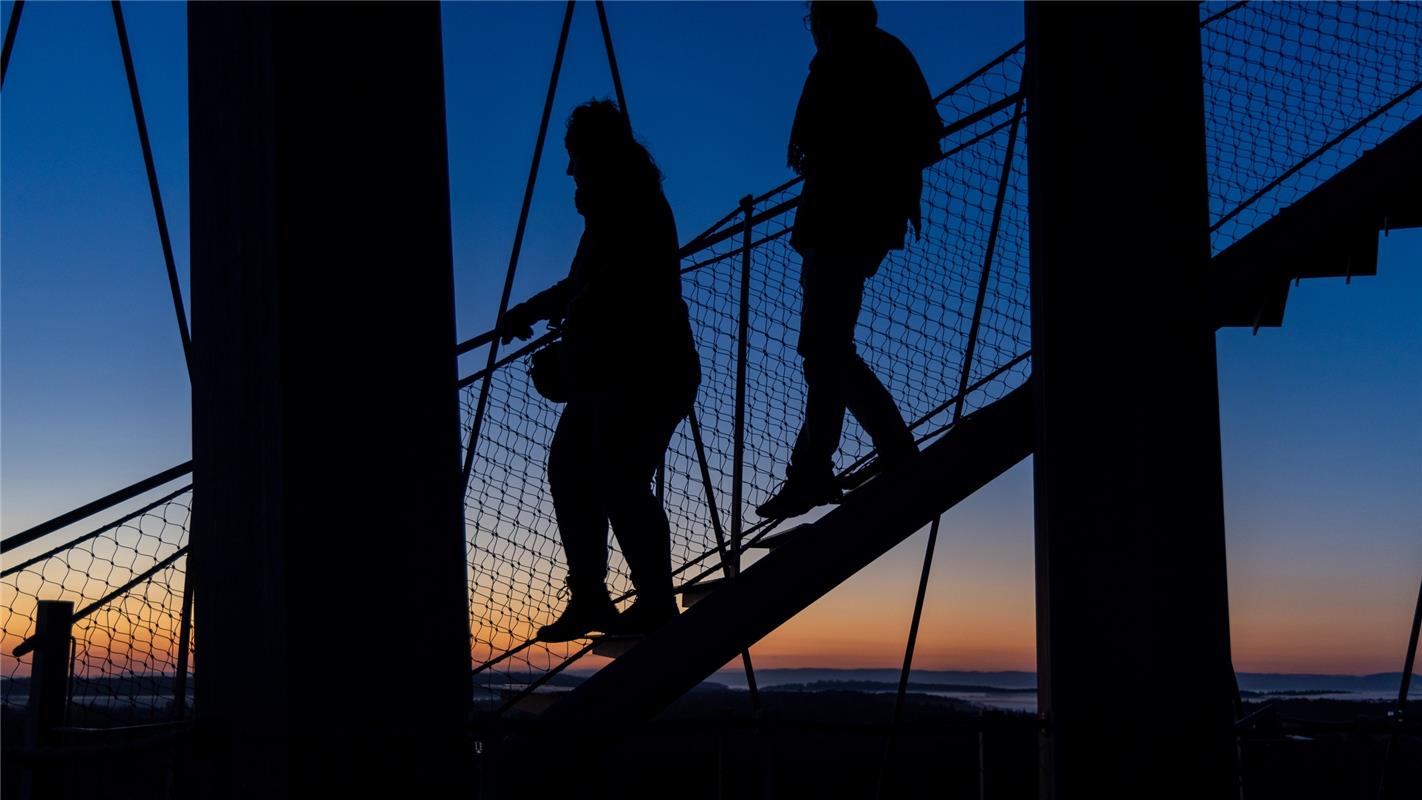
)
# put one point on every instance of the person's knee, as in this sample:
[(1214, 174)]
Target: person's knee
[(624, 495), (825, 367), (566, 472)]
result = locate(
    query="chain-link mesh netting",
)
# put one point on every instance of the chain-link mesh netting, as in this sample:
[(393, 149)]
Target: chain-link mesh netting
[(1295, 92), (913, 332), (126, 582)]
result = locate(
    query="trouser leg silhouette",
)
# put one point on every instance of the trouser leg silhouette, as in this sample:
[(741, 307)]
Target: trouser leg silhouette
[(606, 449), (582, 518), (836, 377), (638, 520)]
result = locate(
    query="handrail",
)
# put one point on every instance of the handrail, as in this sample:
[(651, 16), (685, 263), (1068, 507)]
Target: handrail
[(29, 644), (1311, 157), (89, 509), (511, 357), (57, 549), (10, 30), (763, 528), (718, 233)]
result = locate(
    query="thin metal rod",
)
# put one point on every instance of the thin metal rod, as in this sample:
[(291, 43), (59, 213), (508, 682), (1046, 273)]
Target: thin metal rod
[(980, 71), (908, 652), (163, 238), (510, 358), (706, 241), (497, 659), (11, 29), (742, 345), (917, 617), (612, 61), (517, 247), (729, 254), (136, 580), (544, 678), (29, 644), (706, 481), (89, 509), (56, 550), (1223, 13), (715, 235), (476, 341), (1354, 128), (1399, 716), (721, 544), (185, 633), (963, 379), (987, 263), (1411, 661)]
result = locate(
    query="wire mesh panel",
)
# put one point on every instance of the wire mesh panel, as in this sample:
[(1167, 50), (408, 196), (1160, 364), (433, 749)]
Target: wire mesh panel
[(917, 313), (125, 651), (1295, 92)]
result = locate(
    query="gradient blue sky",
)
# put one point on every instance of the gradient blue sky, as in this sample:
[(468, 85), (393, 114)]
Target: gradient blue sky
[(1322, 419)]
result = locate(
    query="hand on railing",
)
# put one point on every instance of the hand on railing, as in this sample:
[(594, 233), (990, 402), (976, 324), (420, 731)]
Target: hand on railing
[(517, 323)]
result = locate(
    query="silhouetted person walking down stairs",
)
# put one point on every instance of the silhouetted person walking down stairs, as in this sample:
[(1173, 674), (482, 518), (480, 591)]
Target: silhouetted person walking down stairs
[(627, 368), (864, 129)]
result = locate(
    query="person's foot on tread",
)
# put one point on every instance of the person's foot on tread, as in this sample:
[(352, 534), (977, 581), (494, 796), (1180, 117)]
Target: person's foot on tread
[(580, 618), (799, 495), (897, 457), (644, 616)]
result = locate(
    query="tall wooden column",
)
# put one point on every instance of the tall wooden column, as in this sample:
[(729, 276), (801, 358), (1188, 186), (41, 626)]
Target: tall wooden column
[(329, 563), (1133, 619)]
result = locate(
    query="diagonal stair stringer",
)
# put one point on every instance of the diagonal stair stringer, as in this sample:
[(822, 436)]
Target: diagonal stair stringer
[(870, 522)]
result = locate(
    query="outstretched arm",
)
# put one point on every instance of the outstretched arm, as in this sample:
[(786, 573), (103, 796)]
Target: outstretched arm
[(517, 322)]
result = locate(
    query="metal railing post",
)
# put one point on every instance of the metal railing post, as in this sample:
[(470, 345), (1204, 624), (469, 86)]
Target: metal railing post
[(972, 345), (185, 633), (738, 463), (968, 354), (493, 358), (1398, 717), (49, 691)]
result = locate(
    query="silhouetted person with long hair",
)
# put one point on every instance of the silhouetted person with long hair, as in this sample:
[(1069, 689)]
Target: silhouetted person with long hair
[(864, 130), (629, 372)]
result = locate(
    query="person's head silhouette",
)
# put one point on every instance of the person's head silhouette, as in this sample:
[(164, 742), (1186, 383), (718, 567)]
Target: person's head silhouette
[(831, 22), (604, 157)]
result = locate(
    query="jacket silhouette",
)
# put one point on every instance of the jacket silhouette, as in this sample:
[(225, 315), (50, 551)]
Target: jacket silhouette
[(865, 127), (630, 372)]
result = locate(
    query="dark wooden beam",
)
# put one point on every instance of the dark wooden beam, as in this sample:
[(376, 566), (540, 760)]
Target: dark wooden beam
[(328, 548), (870, 522), (1131, 589), (1331, 232)]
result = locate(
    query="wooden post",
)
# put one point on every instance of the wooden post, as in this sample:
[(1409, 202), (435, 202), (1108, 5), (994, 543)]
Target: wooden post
[(1131, 590), (328, 537), (49, 694)]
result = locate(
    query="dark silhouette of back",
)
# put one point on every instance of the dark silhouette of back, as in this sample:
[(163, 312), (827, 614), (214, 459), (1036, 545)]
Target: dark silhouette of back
[(864, 129), (627, 368)]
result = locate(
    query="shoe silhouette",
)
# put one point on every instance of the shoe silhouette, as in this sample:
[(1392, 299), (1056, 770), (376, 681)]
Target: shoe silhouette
[(579, 619), (798, 496), (644, 616)]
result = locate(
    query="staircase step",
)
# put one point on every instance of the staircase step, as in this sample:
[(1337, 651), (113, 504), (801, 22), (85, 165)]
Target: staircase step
[(774, 540), (785, 581), (536, 701), (693, 592), (1331, 232), (614, 646)]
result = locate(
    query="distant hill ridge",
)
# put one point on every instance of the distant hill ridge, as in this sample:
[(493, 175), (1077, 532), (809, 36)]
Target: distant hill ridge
[(1022, 680), (813, 679)]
